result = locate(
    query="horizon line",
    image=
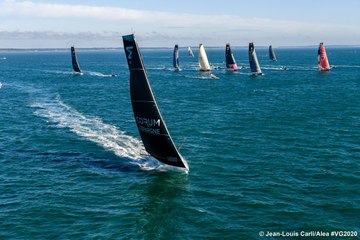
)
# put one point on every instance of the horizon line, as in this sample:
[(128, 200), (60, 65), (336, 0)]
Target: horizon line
[(116, 48)]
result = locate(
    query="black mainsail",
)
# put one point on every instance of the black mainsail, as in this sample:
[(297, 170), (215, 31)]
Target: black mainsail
[(229, 58), (253, 60), (75, 63), (150, 123), (272, 54), (176, 57)]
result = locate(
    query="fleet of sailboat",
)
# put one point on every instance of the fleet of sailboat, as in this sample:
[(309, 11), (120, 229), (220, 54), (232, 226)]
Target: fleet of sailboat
[(253, 60), (203, 60), (229, 58), (74, 61), (150, 123), (323, 62)]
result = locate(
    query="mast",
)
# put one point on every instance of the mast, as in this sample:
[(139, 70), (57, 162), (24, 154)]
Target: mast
[(323, 62), (229, 58), (253, 60), (150, 123), (75, 63), (272, 54), (203, 60), (176, 57)]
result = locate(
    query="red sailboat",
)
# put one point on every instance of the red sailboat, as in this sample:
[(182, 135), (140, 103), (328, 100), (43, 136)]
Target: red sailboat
[(323, 62)]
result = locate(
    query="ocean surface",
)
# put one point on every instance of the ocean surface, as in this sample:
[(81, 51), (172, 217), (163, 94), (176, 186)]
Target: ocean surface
[(278, 152)]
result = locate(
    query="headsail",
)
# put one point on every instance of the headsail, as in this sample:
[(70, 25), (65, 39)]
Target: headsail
[(323, 62), (191, 54), (272, 54), (75, 63), (150, 123), (230, 60), (176, 57), (203, 60), (254, 63)]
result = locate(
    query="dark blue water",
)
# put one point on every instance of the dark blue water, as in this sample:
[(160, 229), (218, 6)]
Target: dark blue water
[(279, 152)]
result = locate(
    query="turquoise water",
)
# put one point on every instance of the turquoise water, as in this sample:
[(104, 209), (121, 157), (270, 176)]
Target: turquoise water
[(279, 152)]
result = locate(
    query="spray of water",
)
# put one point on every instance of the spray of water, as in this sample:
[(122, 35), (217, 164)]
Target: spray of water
[(91, 128)]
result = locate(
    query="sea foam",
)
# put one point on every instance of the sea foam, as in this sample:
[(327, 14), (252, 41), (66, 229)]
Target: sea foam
[(91, 128)]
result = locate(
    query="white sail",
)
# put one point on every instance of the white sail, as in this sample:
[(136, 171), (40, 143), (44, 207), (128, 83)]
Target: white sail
[(258, 69), (203, 60), (191, 54)]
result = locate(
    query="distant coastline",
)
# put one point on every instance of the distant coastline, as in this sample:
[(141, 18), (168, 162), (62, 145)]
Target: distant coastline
[(185, 47), (54, 49)]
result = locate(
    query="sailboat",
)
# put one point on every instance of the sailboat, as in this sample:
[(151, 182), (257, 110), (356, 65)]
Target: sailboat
[(150, 123), (272, 54), (203, 60), (191, 54), (254, 63), (176, 58), (75, 63), (323, 62), (229, 58)]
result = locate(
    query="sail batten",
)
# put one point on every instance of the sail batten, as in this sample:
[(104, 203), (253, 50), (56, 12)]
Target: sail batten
[(203, 60), (272, 55), (150, 123), (323, 62), (74, 61), (253, 60), (229, 58)]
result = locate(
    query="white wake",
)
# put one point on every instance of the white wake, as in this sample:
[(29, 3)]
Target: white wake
[(91, 128), (98, 74)]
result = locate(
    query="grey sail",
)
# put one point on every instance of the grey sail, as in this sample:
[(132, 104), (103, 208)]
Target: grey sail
[(272, 54), (74, 61), (150, 123), (253, 60)]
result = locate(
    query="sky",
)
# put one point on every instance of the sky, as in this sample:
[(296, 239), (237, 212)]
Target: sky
[(163, 23)]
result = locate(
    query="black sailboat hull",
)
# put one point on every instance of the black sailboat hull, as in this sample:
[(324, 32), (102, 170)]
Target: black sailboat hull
[(176, 58), (272, 55), (229, 58), (74, 61), (253, 61), (152, 128)]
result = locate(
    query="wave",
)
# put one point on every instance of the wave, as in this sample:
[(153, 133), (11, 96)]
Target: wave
[(198, 77), (347, 66), (59, 72), (292, 68), (93, 129), (98, 74), (156, 68), (0, 85), (172, 69), (276, 68)]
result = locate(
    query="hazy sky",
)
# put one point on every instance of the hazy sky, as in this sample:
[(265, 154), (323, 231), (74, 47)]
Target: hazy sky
[(53, 23)]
